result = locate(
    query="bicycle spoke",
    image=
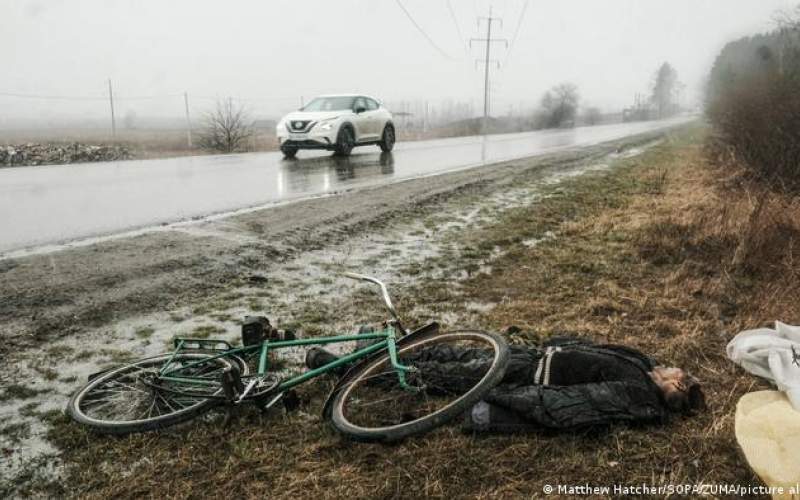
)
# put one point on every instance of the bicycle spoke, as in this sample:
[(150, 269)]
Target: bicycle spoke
[(166, 402), (129, 395), (126, 386), (373, 403), (441, 375)]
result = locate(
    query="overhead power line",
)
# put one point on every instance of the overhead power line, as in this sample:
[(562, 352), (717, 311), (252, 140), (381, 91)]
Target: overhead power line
[(146, 97), (85, 98), (458, 29), (419, 28), (59, 97), (118, 97), (516, 31), (246, 99)]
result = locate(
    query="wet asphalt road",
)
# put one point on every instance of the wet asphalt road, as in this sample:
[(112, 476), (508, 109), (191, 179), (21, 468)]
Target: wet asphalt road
[(47, 205)]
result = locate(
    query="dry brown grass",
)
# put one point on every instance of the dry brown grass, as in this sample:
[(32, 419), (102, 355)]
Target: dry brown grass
[(643, 256)]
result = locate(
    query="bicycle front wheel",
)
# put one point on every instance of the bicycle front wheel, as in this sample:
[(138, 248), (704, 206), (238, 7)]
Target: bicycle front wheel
[(131, 397), (450, 372)]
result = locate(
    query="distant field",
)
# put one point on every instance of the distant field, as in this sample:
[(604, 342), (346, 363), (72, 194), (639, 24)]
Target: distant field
[(144, 143), (163, 143)]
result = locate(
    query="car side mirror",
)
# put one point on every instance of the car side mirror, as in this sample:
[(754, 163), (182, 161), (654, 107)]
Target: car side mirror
[(360, 109)]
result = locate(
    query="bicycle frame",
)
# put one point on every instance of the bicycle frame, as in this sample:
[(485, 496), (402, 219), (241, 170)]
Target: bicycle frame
[(387, 341)]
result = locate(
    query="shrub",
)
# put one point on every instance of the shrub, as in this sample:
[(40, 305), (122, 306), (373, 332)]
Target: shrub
[(226, 128), (754, 106), (758, 126)]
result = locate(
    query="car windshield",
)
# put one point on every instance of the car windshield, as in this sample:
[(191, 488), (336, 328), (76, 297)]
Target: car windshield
[(336, 103)]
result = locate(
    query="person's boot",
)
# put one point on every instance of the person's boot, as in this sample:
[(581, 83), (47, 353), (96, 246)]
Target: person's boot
[(317, 357)]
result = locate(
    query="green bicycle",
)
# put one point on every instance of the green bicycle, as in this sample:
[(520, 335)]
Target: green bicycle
[(388, 392)]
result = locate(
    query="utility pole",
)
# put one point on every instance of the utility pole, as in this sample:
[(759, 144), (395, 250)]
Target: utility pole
[(188, 120), (489, 40), (111, 101)]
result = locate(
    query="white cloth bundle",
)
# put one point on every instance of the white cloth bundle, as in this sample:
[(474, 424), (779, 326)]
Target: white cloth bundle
[(772, 354)]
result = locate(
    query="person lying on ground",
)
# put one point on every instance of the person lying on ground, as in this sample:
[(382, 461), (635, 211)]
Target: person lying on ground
[(565, 383)]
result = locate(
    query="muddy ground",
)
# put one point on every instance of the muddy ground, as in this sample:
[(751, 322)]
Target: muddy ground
[(66, 314)]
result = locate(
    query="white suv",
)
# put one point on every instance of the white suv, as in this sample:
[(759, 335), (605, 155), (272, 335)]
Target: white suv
[(336, 123)]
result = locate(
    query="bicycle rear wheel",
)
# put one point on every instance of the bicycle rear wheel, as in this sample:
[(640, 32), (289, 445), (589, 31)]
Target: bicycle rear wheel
[(453, 371), (130, 398)]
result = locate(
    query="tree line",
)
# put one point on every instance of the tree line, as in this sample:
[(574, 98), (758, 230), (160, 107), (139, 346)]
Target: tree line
[(227, 128), (560, 105), (753, 102)]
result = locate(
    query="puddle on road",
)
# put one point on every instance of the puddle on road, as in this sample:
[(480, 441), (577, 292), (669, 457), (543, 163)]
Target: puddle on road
[(306, 290)]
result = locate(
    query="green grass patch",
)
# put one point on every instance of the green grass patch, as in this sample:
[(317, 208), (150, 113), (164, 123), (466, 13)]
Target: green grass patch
[(59, 351), (144, 332), (20, 391), (16, 432), (46, 372), (206, 331), (176, 318)]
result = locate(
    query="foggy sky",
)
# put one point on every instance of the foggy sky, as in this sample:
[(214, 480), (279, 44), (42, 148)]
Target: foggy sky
[(272, 52)]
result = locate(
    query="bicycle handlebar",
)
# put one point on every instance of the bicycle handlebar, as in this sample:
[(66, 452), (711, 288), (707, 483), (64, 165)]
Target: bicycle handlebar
[(384, 291)]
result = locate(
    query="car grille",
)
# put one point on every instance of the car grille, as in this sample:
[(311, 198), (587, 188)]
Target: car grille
[(299, 125)]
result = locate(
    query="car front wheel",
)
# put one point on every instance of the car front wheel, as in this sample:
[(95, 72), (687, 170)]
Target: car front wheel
[(345, 141), (288, 151), (387, 139)]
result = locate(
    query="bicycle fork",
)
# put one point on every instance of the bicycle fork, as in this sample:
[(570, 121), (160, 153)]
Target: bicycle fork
[(400, 368)]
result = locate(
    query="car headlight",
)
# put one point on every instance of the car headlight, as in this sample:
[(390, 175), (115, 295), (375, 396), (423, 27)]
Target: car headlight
[(327, 125)]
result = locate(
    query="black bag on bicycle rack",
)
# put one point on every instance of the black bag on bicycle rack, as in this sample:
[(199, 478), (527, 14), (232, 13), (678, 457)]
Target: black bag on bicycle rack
[(257, 329)]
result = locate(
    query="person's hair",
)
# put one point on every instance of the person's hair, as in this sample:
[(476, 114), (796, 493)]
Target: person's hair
[(686, 401)]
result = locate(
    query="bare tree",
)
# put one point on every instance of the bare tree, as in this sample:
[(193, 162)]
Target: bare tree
[(788, 44), (788, 20), (560, 105), (226, 128), (665, 88)]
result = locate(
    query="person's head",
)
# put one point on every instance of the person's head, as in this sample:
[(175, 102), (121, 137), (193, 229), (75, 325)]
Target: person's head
[(681, 391)]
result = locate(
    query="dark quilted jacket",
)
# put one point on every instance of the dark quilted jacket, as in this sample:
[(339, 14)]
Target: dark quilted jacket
[(583, 384), (589, 385)]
